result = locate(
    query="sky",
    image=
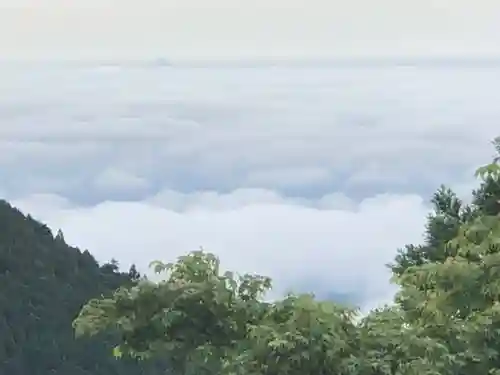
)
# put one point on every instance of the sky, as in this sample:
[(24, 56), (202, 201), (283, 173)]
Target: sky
[(228, 29), (312, 173)]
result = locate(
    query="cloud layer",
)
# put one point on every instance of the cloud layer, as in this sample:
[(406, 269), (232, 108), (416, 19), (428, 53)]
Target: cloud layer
[(311, 174), (336, 252), (90, 132)]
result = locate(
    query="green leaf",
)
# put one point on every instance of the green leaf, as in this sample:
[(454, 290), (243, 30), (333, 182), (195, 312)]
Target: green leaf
[(117, 353)]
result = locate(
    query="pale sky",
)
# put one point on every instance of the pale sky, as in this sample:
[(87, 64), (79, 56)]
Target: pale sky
[(218, 29)]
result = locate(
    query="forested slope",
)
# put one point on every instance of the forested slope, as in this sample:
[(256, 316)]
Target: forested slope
[(43, 284)]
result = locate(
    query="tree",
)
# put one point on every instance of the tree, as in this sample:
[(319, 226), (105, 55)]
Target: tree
[(204, 322), (389, 345), (299, 335), (456, 298), (443, 223), (43, 284), (449, 214), (195, 319), (487, 197), (133, 273), (111, 267), (60, 236)]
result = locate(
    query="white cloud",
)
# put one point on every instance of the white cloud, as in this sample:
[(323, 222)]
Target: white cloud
[(301, 247), (289, 177), (210, 128), (115, 180), (213, 200)]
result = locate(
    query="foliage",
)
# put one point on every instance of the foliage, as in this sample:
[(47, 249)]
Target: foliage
[(195, 318), (44, 282), (299, 335), (202, 321), (454, 298), (388, 345)]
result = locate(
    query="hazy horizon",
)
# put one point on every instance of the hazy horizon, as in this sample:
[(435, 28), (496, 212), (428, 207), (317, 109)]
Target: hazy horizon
[(259, 61)]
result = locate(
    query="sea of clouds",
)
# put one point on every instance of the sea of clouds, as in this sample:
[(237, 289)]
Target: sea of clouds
[(314, 174)]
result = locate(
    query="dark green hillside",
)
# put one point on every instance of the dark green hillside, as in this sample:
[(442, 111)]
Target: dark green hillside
[(43, 284)]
